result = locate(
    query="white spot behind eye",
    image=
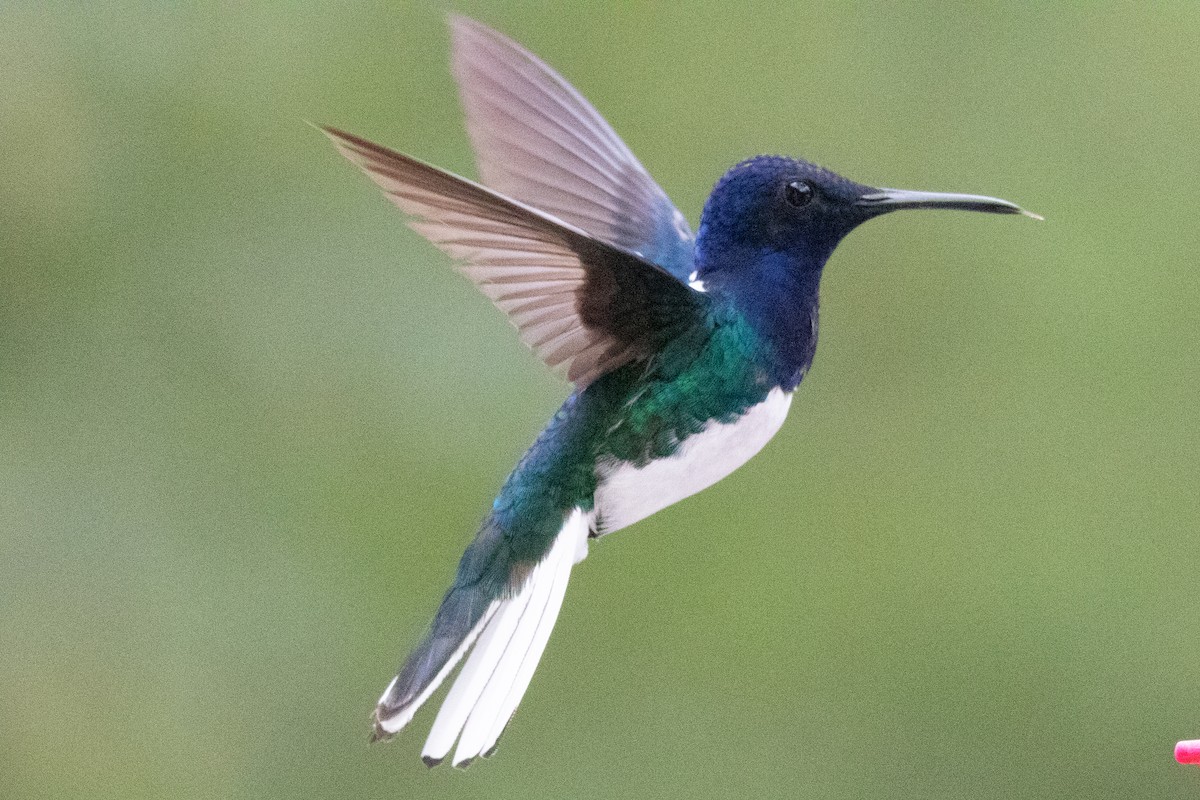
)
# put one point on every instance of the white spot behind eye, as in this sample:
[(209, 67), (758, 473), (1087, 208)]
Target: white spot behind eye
[(698, 285)]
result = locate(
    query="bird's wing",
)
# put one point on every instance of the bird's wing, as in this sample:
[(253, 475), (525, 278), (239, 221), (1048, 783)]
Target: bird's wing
[(584, 305), (538, 140)]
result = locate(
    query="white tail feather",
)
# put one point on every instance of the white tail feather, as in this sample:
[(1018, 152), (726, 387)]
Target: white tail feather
[(483, 714), (534, 653), (499, 669), (476, 672)]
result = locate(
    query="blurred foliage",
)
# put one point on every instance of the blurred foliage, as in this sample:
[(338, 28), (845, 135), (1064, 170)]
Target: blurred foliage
[(248, 420)]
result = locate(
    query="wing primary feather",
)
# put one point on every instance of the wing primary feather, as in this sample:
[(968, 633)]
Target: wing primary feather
[(567, 118), (513, 297), (569, 161), (555, 89)]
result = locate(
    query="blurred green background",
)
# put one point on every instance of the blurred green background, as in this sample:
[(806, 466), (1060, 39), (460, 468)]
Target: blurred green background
[(248, 420)]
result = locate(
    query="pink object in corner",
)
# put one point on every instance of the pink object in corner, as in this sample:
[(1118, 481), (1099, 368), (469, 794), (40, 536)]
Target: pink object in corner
[(1188, 751)]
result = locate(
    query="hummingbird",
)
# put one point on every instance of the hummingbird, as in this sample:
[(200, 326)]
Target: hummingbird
[(685, 350)]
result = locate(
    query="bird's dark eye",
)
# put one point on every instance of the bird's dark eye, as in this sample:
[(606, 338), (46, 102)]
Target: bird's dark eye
[(798, 194)]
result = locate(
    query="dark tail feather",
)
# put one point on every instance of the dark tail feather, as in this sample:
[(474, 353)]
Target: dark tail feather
[(480, 583)]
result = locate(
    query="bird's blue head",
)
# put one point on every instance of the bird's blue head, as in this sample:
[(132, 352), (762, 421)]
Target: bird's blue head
[(775, 213), (778, 209), (770, 225)]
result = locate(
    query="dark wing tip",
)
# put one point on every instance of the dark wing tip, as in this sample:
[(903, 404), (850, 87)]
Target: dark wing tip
[(349, 144), (352, 147), (359, 150)]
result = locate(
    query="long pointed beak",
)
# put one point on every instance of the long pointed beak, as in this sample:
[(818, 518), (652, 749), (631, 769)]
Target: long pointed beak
[(895, 199)]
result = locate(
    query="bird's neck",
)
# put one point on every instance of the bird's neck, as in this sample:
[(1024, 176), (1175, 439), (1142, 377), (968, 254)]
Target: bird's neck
[(777, 297)]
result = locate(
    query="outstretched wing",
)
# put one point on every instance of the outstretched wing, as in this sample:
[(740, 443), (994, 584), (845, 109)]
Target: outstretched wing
[(538, 140), (582, 304)]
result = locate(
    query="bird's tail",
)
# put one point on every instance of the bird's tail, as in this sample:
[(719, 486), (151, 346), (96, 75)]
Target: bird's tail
[(508, 621)]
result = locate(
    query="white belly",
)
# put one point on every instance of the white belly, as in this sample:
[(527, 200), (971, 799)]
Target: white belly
[(626, 494)]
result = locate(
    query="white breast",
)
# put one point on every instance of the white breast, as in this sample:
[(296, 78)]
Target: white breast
[(626, 494)]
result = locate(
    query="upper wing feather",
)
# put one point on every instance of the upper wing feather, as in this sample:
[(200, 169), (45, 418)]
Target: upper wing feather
[(584, 305), (538, 140)]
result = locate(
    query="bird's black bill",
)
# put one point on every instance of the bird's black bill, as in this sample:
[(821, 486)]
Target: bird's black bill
[(895, 199)]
